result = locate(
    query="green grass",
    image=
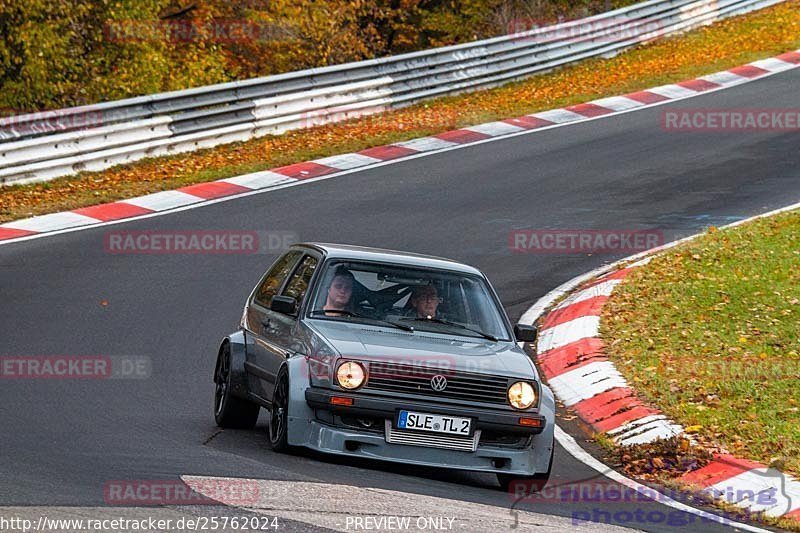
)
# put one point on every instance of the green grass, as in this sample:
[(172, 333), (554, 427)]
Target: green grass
[(709, 333)]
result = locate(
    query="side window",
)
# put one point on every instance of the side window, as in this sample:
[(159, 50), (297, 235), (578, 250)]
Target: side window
[(298, 283), (269, 287)]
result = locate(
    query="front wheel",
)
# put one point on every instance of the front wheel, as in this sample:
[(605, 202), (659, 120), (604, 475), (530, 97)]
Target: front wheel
[(279, 421), (531, 484), (230, 411)]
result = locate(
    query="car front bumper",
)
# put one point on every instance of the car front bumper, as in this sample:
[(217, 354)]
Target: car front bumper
[(371, 406), (340, 441), (324, 437)]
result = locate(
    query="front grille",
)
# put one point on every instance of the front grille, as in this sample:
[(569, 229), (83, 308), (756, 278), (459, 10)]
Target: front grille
[(430, 440), (416, 380)]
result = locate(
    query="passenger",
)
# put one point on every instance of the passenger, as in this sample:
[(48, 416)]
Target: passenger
[(340, 291), (425, 301)]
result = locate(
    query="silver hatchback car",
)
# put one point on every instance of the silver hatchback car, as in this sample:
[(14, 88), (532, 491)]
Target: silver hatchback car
[(387, 355)]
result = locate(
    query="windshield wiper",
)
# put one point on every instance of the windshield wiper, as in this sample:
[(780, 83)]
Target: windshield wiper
[(456, 324), (344, 312)]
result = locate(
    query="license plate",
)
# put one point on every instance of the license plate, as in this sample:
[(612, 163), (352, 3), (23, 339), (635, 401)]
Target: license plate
[(452, 425)]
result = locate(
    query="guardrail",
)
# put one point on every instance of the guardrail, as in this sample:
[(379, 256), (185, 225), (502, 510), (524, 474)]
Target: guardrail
[(42, 146)]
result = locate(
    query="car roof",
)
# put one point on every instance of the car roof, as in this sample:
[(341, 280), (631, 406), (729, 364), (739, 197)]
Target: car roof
[(364, 253)]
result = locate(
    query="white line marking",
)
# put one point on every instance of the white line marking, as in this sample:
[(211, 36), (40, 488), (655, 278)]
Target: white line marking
[(601, 289), (495, 129), (646, 429), (633, 425), (586, 382), (426, 144), (559, 116), (657, 431), (293, 183), (572, 331), (259, 180), (675, 92), (347, 161), (161, 201), (724, 78), (52, 222), (773, 65), (617, 103)]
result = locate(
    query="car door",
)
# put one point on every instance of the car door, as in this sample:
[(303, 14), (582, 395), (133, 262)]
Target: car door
[(285, 325), (261, 328)]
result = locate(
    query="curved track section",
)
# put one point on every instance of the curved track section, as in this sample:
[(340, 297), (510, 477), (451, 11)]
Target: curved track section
[(64, 440)]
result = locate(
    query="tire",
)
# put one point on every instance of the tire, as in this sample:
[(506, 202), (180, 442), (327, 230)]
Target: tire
[(229, 411), (278, 433), (533, 484)]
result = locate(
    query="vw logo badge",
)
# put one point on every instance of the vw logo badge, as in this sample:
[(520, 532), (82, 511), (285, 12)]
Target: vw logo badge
[(438, 383)]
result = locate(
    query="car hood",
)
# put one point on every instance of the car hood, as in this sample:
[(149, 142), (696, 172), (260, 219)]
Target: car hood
[(468, 354)]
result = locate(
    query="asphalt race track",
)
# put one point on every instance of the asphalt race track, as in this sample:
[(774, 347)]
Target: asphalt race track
[(63, 440)]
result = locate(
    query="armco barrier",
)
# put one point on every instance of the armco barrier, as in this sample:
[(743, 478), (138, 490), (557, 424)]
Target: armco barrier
[(42, 146)]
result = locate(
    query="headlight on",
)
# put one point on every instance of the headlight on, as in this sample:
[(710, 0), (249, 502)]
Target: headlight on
[(521, 395), (351, 375)]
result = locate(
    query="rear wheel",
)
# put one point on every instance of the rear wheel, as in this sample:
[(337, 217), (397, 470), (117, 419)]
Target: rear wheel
[(278, 422), (531, 484), (230, 411)]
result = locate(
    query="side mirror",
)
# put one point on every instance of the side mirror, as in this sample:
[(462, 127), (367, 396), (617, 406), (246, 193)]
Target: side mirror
[(283, 304), (525, 333)]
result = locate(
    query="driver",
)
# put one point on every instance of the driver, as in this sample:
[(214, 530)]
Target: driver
[(340, 291), (425, 301)]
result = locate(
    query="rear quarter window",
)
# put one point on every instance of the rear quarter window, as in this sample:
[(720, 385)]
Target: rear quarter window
[(274, 279)]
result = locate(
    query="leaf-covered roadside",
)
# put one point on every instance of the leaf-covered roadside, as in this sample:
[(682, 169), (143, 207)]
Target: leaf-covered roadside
[(730, 43), (709, 333)]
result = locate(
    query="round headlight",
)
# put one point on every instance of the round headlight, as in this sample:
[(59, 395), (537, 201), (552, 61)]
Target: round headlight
[(350, 375), (521, 395)]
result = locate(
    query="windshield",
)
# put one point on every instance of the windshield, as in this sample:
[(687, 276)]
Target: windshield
[(423, 299)]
